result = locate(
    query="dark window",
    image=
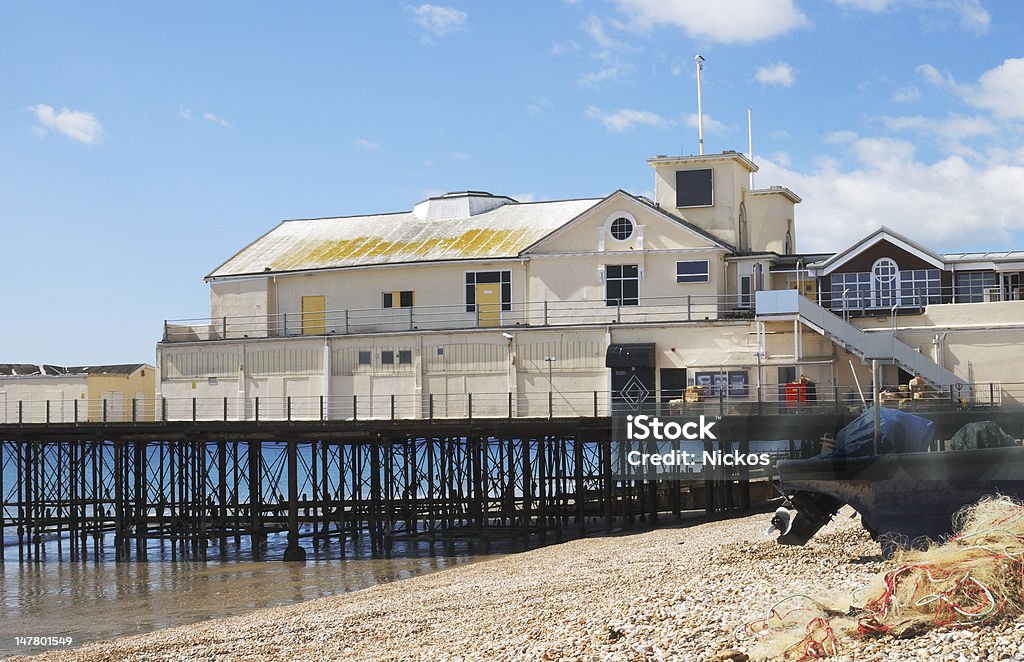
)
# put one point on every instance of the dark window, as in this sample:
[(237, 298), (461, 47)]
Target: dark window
[(920, 287), (851, 290), (403, 299), (622, 285), (692, 271), (387, 357), (971, 285), (404, 356), (622, 228), (364, 358), (695, 188), (473, 278)]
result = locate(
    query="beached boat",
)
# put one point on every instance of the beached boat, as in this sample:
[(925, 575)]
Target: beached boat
[(904, 493)]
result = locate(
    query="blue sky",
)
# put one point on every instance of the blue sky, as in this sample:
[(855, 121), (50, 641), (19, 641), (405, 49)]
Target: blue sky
[(143, 144)]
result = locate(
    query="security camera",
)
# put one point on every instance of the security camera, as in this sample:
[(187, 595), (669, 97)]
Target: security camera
[(506, 335), (699, 59)]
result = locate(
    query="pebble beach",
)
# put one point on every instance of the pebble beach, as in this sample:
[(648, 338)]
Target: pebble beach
[(672, 593)]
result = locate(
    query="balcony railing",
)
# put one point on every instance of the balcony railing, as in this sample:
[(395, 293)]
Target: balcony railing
[(460, 316), (908, 300), (752, 401)]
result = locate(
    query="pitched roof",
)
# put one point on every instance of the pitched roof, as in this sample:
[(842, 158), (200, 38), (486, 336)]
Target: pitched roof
[(881, 234), (641, 200), (404, 237)]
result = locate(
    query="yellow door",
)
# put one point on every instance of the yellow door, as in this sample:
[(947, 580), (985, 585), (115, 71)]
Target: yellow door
[(314, 321), (488, 304)]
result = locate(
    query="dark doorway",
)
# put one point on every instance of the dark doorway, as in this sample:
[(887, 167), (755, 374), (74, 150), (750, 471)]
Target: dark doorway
[(673, 384), (633, 385)]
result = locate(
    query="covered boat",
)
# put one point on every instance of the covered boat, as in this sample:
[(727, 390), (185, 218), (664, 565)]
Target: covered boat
[(903, 492)]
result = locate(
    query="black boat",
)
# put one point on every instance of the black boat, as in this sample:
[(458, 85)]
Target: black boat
[(904, 493)]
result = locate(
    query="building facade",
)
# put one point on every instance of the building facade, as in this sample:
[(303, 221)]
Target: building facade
[(475, 304), (63, 394)]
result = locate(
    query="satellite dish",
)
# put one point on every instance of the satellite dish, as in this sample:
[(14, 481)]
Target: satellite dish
[(782, 522)]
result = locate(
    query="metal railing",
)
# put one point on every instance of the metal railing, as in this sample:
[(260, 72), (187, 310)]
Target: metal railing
[(733, 400), (461, 316), (871, 300)]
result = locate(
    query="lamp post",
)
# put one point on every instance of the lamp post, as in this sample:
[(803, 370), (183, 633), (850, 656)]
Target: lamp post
[(550, 360)]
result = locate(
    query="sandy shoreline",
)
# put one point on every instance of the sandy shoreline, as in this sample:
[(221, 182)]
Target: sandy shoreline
[(677, 593)]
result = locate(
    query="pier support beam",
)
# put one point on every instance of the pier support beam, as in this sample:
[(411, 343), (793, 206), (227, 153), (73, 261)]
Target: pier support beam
[(294, 551)]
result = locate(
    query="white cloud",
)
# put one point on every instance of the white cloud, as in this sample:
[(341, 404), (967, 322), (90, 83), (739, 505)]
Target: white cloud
[(710, 124), (953, 127), (615, 74), (780, 134), (933, 76), (210, 117), (874, 6), (782, 158), (437, 20), (594, 27), (956, 199), (524, 197), (777, 75), (906, 95), (1001, 90), (624, 118), (725, 21), (75, 124), (185, 114), (969, 13), (363, 143)]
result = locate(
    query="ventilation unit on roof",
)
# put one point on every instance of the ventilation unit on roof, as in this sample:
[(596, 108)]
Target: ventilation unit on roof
[(459, 204)]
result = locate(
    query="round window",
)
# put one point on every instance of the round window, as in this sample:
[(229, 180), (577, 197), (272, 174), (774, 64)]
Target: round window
[(885, 270), (622, 228)]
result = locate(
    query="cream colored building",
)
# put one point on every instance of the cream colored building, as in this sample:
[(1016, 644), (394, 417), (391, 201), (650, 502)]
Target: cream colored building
[(34, 393), (473, 303)]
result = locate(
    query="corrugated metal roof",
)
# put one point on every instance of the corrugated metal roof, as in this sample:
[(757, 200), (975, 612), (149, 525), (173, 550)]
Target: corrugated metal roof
[(400, 238)]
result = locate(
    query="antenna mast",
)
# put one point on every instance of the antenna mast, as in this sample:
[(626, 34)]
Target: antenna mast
[(700, 108), (750, 145)]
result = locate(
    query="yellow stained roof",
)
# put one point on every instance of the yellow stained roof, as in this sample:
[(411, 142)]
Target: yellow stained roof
[(326, 243)]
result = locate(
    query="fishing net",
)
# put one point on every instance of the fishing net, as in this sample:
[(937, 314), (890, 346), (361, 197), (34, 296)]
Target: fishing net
[(975, 577)]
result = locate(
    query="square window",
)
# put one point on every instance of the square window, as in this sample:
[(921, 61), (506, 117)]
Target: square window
[(387, 357), (405, 299), (692, 271), (405, 357), (389, 300), (695, 188), (364, 358)]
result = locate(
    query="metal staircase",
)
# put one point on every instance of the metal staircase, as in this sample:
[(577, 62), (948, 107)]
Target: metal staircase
[(774, 305)]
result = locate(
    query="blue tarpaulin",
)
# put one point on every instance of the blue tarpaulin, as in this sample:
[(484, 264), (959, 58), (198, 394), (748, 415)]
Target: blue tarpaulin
[(901, 433)]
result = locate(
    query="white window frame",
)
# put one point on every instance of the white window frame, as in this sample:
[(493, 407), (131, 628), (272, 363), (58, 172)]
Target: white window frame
[(617, 215), (877, 284)]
